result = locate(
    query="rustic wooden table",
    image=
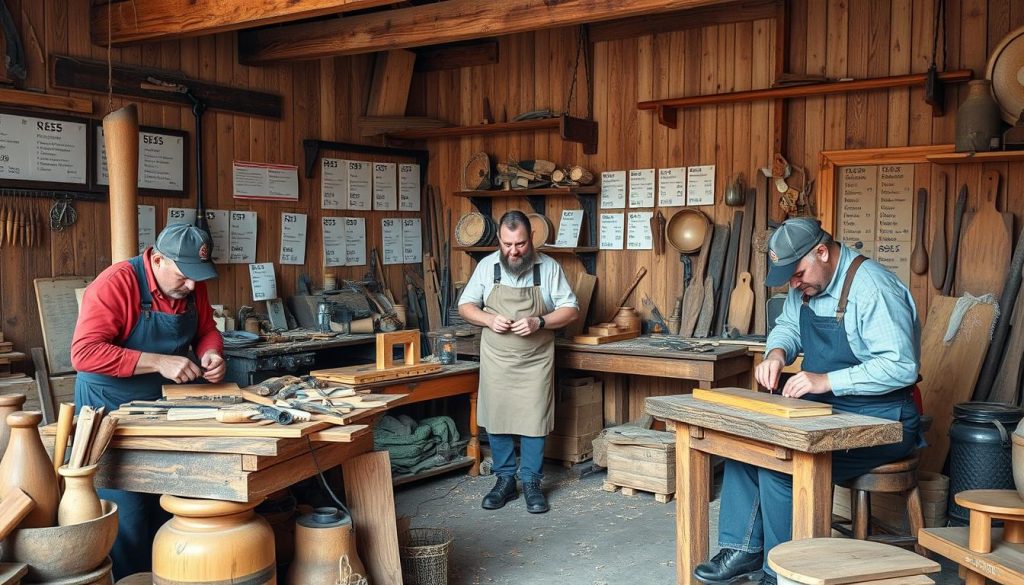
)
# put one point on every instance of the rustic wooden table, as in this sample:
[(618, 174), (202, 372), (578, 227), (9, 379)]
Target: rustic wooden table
[(798, 447)]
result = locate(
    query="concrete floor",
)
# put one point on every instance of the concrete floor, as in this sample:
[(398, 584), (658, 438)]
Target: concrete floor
[(589, 536)]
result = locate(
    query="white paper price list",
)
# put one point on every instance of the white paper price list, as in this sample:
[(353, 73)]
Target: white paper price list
[(334, 241)]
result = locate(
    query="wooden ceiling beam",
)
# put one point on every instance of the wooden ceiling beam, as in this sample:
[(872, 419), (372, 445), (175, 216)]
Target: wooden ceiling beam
[(134, 21), (431, 24)]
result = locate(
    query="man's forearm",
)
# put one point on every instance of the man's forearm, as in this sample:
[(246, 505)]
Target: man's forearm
[(560, 317), (475, 315)]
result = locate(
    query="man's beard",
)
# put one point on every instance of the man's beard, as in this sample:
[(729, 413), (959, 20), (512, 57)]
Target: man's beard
[(519, 266)]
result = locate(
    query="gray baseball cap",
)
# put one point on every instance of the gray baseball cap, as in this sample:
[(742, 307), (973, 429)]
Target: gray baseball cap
[(190, 248), (791, 242)]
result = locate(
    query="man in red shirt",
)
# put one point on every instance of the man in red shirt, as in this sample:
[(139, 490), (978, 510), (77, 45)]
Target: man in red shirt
[(140, 324)]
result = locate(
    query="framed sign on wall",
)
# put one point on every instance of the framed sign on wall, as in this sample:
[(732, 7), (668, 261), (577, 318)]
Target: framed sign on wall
[(163, 166), (43, 151)]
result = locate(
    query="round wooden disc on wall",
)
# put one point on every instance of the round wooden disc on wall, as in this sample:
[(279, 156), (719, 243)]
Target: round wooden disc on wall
[(1006, 71), (543, 231)]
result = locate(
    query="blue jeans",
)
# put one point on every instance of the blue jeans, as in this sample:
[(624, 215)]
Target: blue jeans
[(531, 452), (757, 503), (139, 516)]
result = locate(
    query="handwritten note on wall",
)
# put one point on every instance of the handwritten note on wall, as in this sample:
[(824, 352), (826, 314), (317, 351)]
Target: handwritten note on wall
[(875, 213)]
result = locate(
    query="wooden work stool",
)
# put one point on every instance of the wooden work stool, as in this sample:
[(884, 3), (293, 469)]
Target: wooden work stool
[(898, 477), (842, 561), (989, 505)]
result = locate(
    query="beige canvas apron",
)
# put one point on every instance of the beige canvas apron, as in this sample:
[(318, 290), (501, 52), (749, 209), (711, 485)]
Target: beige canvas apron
[(516, 373)]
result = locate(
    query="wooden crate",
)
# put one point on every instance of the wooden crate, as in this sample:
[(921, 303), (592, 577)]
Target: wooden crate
[(577, 421), (575, 392), (570, 449), (642, 467)]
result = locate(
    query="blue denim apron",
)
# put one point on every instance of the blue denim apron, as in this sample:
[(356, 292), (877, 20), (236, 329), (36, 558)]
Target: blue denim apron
[(139, 515), (757, 504)]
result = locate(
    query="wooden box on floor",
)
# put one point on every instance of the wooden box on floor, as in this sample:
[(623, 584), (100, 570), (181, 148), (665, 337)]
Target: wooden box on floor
[(570, 449), (650, 468), (578, 419)]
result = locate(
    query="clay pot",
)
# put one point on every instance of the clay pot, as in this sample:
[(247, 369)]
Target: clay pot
[(27, 466), (977, 119), (320, 540), (61, 552), (9, 403), (1018, 458), (211, 541), (80, 502), (627, 319)]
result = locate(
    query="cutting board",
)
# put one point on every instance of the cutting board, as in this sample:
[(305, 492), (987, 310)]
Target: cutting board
[(949, 372), (773, 404), (741, 305), (985, 245)]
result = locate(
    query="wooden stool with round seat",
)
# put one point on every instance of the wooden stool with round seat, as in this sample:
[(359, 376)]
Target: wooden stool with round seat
[(897, 477), (842, 561)]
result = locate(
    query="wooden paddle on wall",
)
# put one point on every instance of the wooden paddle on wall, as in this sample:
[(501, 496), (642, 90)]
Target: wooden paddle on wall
[(694, 295), (938, 251), (985, 244)]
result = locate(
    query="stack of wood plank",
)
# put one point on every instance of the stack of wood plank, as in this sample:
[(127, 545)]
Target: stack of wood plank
[(578, 419)]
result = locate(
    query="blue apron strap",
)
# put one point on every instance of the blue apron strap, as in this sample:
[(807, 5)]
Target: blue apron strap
[(497, 273), (536, 274), (145, 297)]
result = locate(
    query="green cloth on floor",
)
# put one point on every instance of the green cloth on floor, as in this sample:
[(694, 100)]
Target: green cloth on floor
[(416, 446)]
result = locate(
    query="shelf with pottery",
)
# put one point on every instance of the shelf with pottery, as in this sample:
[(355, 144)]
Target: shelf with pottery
[(952, 158), (586, 254), (570, 129)]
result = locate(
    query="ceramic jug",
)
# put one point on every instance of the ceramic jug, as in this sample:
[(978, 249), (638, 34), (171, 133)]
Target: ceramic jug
[(977, 119), (79, 502), (27, 466)]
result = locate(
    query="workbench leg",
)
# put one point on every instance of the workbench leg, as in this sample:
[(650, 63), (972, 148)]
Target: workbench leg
[(616, 399), (812, 495), (473, 447), (693, 472)]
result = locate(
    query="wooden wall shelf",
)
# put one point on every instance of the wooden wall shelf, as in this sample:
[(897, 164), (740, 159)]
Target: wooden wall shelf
[(667, 108), (571, 129), (586, 254), (952, 158), (587, 197)]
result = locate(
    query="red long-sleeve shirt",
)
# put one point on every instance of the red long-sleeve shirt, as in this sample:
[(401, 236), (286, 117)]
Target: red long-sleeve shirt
[(109, 311)]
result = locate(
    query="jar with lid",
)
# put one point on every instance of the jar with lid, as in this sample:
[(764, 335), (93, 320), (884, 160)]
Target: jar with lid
[(444, 349)]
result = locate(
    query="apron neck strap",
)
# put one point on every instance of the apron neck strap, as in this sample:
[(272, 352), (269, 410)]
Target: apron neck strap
[(536, 274), (145, 297), (497, 273), (844, 296)]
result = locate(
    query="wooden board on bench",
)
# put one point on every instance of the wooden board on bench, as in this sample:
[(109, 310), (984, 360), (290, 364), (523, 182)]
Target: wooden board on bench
[(773, 404)]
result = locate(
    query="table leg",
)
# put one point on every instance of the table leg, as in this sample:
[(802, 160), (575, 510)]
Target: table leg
[(979, 536), (693, 471), (812, 494), (473, 447)]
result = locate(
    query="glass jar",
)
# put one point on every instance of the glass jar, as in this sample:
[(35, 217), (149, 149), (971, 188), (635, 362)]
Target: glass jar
[(444, 349)]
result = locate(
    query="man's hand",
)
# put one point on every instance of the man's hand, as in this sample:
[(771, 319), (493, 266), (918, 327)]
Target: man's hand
[(526, 326), (806, 383), (500, 324), (768, 371), (214, 366), (177, 368)]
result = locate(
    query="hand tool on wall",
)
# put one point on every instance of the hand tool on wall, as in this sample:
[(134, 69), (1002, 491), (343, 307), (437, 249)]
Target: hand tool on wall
[(958, 218), (938, 251), (640, 273), (919, 258)]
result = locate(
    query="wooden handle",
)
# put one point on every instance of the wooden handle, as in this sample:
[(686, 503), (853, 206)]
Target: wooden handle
[(919, 258), (65, 419), (103, 436), (15, 505), (938, 250), (121, 137), (629, 290), (235, 415)]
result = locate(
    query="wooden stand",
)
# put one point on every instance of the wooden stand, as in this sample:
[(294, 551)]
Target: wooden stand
[(385, 368)]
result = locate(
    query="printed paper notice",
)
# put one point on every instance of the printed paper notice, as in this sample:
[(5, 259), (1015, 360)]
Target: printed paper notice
[(265, 181), (672, 187), (391, 236), (147, 226), (857, 202), (412, 241), (612, 231), (700, 185), (293, 238), (385, 188), (613, 190), (243, 238), (219, 222), (333, 183), (360, 188), (181, 215), (40, 149), (334, 241), (161, 161), (641, 188), (264, 283), (569, 228), (638, 232), (355, 241), (408, 187)]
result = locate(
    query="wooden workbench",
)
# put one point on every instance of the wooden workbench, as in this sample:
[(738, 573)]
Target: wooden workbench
[(248, 365), (801, 447)]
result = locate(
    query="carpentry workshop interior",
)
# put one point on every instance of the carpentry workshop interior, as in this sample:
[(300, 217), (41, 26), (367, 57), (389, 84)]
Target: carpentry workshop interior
[(373, 292)]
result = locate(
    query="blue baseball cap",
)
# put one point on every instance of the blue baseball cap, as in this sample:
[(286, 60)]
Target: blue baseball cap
[(190, 248), (791, 242)]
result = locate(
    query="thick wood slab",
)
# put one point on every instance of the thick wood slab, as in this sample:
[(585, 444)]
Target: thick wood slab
[(179, 391), (1005, 564), (772, 404), (811, 435), (369, 373), (601, 339), (838, 561)]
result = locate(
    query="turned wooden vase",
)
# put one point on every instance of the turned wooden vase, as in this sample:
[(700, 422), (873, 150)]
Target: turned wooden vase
[(26, 465), (627, 319), (9, 403), (212, 541), (320, 540), (79, 502)]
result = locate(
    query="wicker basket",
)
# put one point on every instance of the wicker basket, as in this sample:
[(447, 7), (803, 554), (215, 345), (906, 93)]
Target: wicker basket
[(424, 554)]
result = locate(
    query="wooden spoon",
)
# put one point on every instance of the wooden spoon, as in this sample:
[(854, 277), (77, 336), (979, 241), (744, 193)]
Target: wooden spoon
[(919, 258)]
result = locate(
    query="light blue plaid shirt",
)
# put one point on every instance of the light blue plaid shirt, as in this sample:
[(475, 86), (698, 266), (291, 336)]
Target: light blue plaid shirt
[(881, 325)]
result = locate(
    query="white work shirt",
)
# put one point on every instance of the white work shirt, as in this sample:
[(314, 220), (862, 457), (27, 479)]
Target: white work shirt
[(553, 285)]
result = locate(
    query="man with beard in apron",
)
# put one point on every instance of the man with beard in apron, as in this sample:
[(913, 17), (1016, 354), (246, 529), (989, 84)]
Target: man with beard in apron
[(857, 326), (524, 297), (139, 324)]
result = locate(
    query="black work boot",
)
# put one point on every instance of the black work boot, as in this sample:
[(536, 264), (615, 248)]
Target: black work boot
[(503, 492), (536, 503), (727, 566)]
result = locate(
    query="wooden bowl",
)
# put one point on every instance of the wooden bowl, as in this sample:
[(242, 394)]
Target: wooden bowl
[(59, 552), (686, 230)]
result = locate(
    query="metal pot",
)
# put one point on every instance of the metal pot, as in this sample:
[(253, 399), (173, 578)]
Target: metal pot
[(1018, 458)]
